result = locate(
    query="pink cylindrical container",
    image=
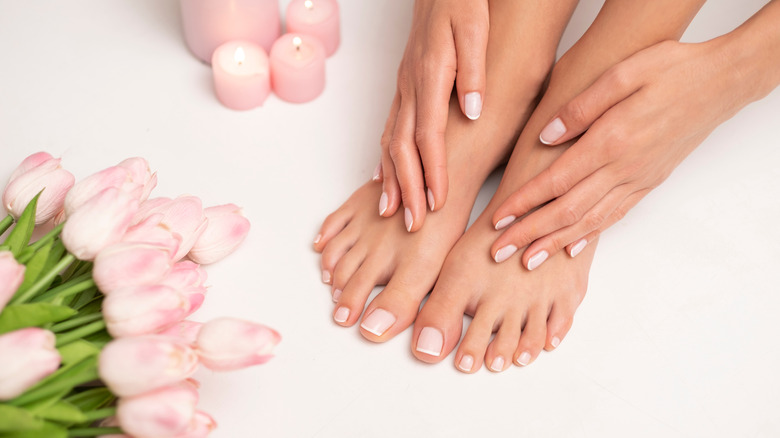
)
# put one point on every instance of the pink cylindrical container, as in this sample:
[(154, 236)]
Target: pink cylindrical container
[(241, 74), (297, 67), (318, 18)]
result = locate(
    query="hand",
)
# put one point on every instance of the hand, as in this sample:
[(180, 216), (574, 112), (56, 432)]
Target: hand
[(447, 36), (642, 117)]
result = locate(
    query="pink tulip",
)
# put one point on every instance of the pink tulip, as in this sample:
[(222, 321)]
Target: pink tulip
[(99, 222), (143, 309), (11, 276), (164, 412), (186, 331), (226, 344), (226, 230), (141, 174), (38, 172), (111, 177), (200, 427), (183, 215), (28, 355), (127, 265), (151, 230), (188, 278), (131, 366)]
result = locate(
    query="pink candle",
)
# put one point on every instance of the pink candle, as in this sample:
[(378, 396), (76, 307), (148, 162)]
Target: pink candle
[(211, 23), (318, 18), (297, 67), (241, 75)]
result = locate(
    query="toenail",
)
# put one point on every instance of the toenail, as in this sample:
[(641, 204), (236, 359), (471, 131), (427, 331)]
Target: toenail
[(576, 249), (341, 315), (336, 295), (408, 219), (555, 342), (326, 277), (498, 364), (378, 322), (537, 259), (504, 253), (431, 201), (430, 341), (504, 222), (317, 239), (524, 359), (383, 204), (466, 362)]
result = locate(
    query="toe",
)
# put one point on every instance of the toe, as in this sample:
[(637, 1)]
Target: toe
[(559, 323), (333, 251), (346, 267), (500, 352), (353, 297), (438, 326), (532, 338), (331, 227), (476, 340)]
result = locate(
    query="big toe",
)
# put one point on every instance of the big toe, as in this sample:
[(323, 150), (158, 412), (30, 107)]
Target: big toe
[(438, 326)]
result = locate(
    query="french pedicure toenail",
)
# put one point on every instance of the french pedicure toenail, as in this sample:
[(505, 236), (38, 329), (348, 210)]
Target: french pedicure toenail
[(504, 253), (408, 219), (341, 315), (382, 203), (536, 260), (376, 172), (498, 364), (504, 222), (555, 342), (524, 358), (430, 341), (317, 239), (336, 295), (431, 201), (378, 322), (472, 102), (326, 277), (466, 363), (578, 247), (553, 131)]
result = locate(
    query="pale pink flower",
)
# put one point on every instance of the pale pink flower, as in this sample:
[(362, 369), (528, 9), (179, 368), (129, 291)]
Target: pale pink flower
[(200, 427), (11, 276), (99, 222), (127, 265), (28, 355), (141, 174), (143, 309), (185, 330), (38, 172), (187, 277), (226, 230), (111, 177), (163, 412), (183, 215), (226, 344), (151, 230), (131, 366)]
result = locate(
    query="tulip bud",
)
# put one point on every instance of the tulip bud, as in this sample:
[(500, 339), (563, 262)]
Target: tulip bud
[(11, 276), (183, 216), (186, 331), (143, 309), (38, 172), (99, 222), (227, 228), (141, 174), (226, 344), (111, 177), (28, 355), (128, 265), (164, 412), (151, 230), (131, 366), (200, 427), (188, 278)]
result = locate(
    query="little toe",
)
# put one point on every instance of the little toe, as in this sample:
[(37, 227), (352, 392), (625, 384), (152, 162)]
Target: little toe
[(353, 296), (559, 323), (532, 338), (501, 350), (331, 227), (334, 250), (476, 340)]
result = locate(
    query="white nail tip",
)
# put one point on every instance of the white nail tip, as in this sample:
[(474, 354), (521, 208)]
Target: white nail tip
[(317, 239), (555, 342), (472, 103), (498, 364), (505, 221), (341, 315), (524, 358), (408, 219), (376, 172), (431, 201), (577, 248), (504, 253), (466, 363), (383, 203), (537, 260)]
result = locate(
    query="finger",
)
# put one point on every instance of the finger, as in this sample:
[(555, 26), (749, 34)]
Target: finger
[(377, 177), (406, 159), (619, 213), (615, 85), (391, 192), (471, 39)]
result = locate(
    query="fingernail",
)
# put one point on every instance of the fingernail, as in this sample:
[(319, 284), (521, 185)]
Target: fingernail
[(577, 248), (430, 341), (383, 204), (376, 172), (505, 221), (408, 219), (473, 104), (431, 201), (504, 253), (336, 295), (524, 358), (378, 321), (317, 239), (341, 315), (326, 277), (553, 131), (555, 342), (466, 362), (498, 364), (537, 260)]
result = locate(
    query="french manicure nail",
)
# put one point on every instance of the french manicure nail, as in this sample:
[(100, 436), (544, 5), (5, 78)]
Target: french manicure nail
[(466, 363), (317, 239), (341, 315), (553, 131), (430, 341), (524, 358), (378, 321), (555, 341), (431, 201), (505, 221), (376, 172), (473, 104), (383, 204), (498, 364), (537, 259), (504, 253), (408, 219), (578, 247), (336, 295), (326, 277)]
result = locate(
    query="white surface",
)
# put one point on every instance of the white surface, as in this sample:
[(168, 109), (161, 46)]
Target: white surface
[(677, 336)]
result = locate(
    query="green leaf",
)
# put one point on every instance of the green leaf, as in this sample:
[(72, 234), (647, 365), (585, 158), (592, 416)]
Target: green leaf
[(77, 351), (64, 378), (46, 430), (18, 316), (16, 419), (63, 412), (34, 267), (92, 399), (19, 237)]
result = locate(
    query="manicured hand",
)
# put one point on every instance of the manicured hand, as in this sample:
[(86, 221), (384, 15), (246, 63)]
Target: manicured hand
[(642, 118), (447, 37)]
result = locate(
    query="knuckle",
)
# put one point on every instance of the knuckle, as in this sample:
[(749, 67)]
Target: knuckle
[(593, 220), (570, 214), (620, 213), (619, 77), (559, 183), (574, 113)]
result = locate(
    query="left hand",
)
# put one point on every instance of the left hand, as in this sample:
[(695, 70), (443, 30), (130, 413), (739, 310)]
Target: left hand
[(643, 117)]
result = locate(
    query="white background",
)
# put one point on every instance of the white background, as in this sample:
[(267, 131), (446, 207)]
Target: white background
[(678, 333)]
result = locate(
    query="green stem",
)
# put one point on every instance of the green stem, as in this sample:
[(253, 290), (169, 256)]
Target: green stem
[(6, 223), (76, 322), (45, 280), (83, 372), (72, 287), (81, 332), (99, 414), (95, 431), (46, 238)]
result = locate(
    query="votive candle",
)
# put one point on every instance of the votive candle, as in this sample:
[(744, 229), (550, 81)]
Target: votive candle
[(297, 67)]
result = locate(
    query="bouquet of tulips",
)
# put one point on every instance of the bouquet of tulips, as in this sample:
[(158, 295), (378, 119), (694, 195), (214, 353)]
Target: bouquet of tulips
[(93, 335)]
